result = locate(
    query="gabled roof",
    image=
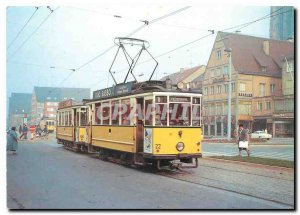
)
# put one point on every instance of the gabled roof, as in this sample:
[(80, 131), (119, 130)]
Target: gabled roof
[(20, 103), (55, 94), (200, 78), (248, 56), (181, 75)]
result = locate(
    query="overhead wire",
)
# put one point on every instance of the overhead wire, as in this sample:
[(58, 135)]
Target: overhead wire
[(133, 32), (130, 34), (27, 39), (18, 34), (212, 32)]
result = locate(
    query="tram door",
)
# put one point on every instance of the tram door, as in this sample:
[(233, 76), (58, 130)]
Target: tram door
[(139, 125)]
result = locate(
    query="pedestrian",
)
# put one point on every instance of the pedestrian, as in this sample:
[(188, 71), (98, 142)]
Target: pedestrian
[(25, 130), (243, 140), (20, 129), (12, 141)]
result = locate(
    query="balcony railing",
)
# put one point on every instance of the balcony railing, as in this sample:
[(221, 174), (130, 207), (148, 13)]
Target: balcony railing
[(245, 94)]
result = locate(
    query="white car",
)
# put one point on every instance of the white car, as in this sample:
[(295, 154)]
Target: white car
[(261, 135)]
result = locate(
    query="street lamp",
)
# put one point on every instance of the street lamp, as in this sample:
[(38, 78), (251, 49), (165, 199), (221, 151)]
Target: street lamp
[(229, 51)]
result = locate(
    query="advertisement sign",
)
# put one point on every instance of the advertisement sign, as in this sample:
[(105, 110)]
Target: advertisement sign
[(148, 140)]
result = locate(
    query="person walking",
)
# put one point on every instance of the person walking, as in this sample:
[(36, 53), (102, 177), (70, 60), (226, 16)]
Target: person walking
[(20, 129), (25, 130), (243, 140), (12, 141)]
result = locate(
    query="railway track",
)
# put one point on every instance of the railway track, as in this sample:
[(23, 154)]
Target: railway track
[(179, 174)]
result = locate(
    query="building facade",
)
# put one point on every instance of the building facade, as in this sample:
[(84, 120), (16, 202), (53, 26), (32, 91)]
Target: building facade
[(282, 23), (283, 115), (44, 102), (19, 109), (255, 68)]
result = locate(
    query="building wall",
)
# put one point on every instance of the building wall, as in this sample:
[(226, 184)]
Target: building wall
[(215, 105), (288, 77), (267, 97), (50, 109)]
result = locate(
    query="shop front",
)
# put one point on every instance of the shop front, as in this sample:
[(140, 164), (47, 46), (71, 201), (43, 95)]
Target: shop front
[(283, 125)]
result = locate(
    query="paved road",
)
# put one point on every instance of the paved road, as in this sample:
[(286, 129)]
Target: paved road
[(46, 176), (276, 151)]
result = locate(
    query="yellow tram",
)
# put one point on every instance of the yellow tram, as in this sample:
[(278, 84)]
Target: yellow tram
[(50, 122), (136, 123), (140, 123)]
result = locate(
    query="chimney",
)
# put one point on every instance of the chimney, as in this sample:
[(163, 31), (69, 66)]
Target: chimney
[(266, 47)]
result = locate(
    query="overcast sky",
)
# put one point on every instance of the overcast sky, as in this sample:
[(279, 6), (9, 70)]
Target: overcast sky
[(72, 36)]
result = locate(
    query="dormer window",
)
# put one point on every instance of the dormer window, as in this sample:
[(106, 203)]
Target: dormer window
[(264, 69)]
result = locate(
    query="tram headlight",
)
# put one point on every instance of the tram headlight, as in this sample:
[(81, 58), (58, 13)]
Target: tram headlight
[(180, 146)]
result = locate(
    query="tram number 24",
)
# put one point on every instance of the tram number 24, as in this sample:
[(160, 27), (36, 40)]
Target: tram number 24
[(157, 146)]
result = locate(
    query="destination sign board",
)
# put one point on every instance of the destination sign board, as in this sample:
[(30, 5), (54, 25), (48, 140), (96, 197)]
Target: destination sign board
[(113, 91), (179, 99)]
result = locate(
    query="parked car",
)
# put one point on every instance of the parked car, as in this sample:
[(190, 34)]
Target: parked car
[(261, 135)]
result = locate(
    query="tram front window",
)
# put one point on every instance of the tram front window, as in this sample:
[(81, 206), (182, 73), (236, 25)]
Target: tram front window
[(180, 114), (161, 114)]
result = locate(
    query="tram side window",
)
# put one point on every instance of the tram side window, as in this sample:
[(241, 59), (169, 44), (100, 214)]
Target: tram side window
[(148, 111), (70, 118), (105, 113), (63, 118), (60, 118), (115, 112), (180, 114), (98, 114), (125, 117), (83, 117), (161, 110), (196, 112), (67, 118)]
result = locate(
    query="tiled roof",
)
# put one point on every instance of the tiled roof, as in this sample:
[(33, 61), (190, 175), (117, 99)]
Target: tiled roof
[(248, 56), (181, 75), (54, 94), (19, 102)]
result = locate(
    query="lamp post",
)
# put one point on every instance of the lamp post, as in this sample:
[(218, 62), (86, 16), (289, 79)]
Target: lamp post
[(229, 51)]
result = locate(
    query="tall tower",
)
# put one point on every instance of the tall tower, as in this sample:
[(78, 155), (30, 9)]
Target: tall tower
[(282, 22)]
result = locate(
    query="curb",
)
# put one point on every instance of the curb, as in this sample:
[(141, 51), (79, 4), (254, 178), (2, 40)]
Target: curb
[(248, 163)]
